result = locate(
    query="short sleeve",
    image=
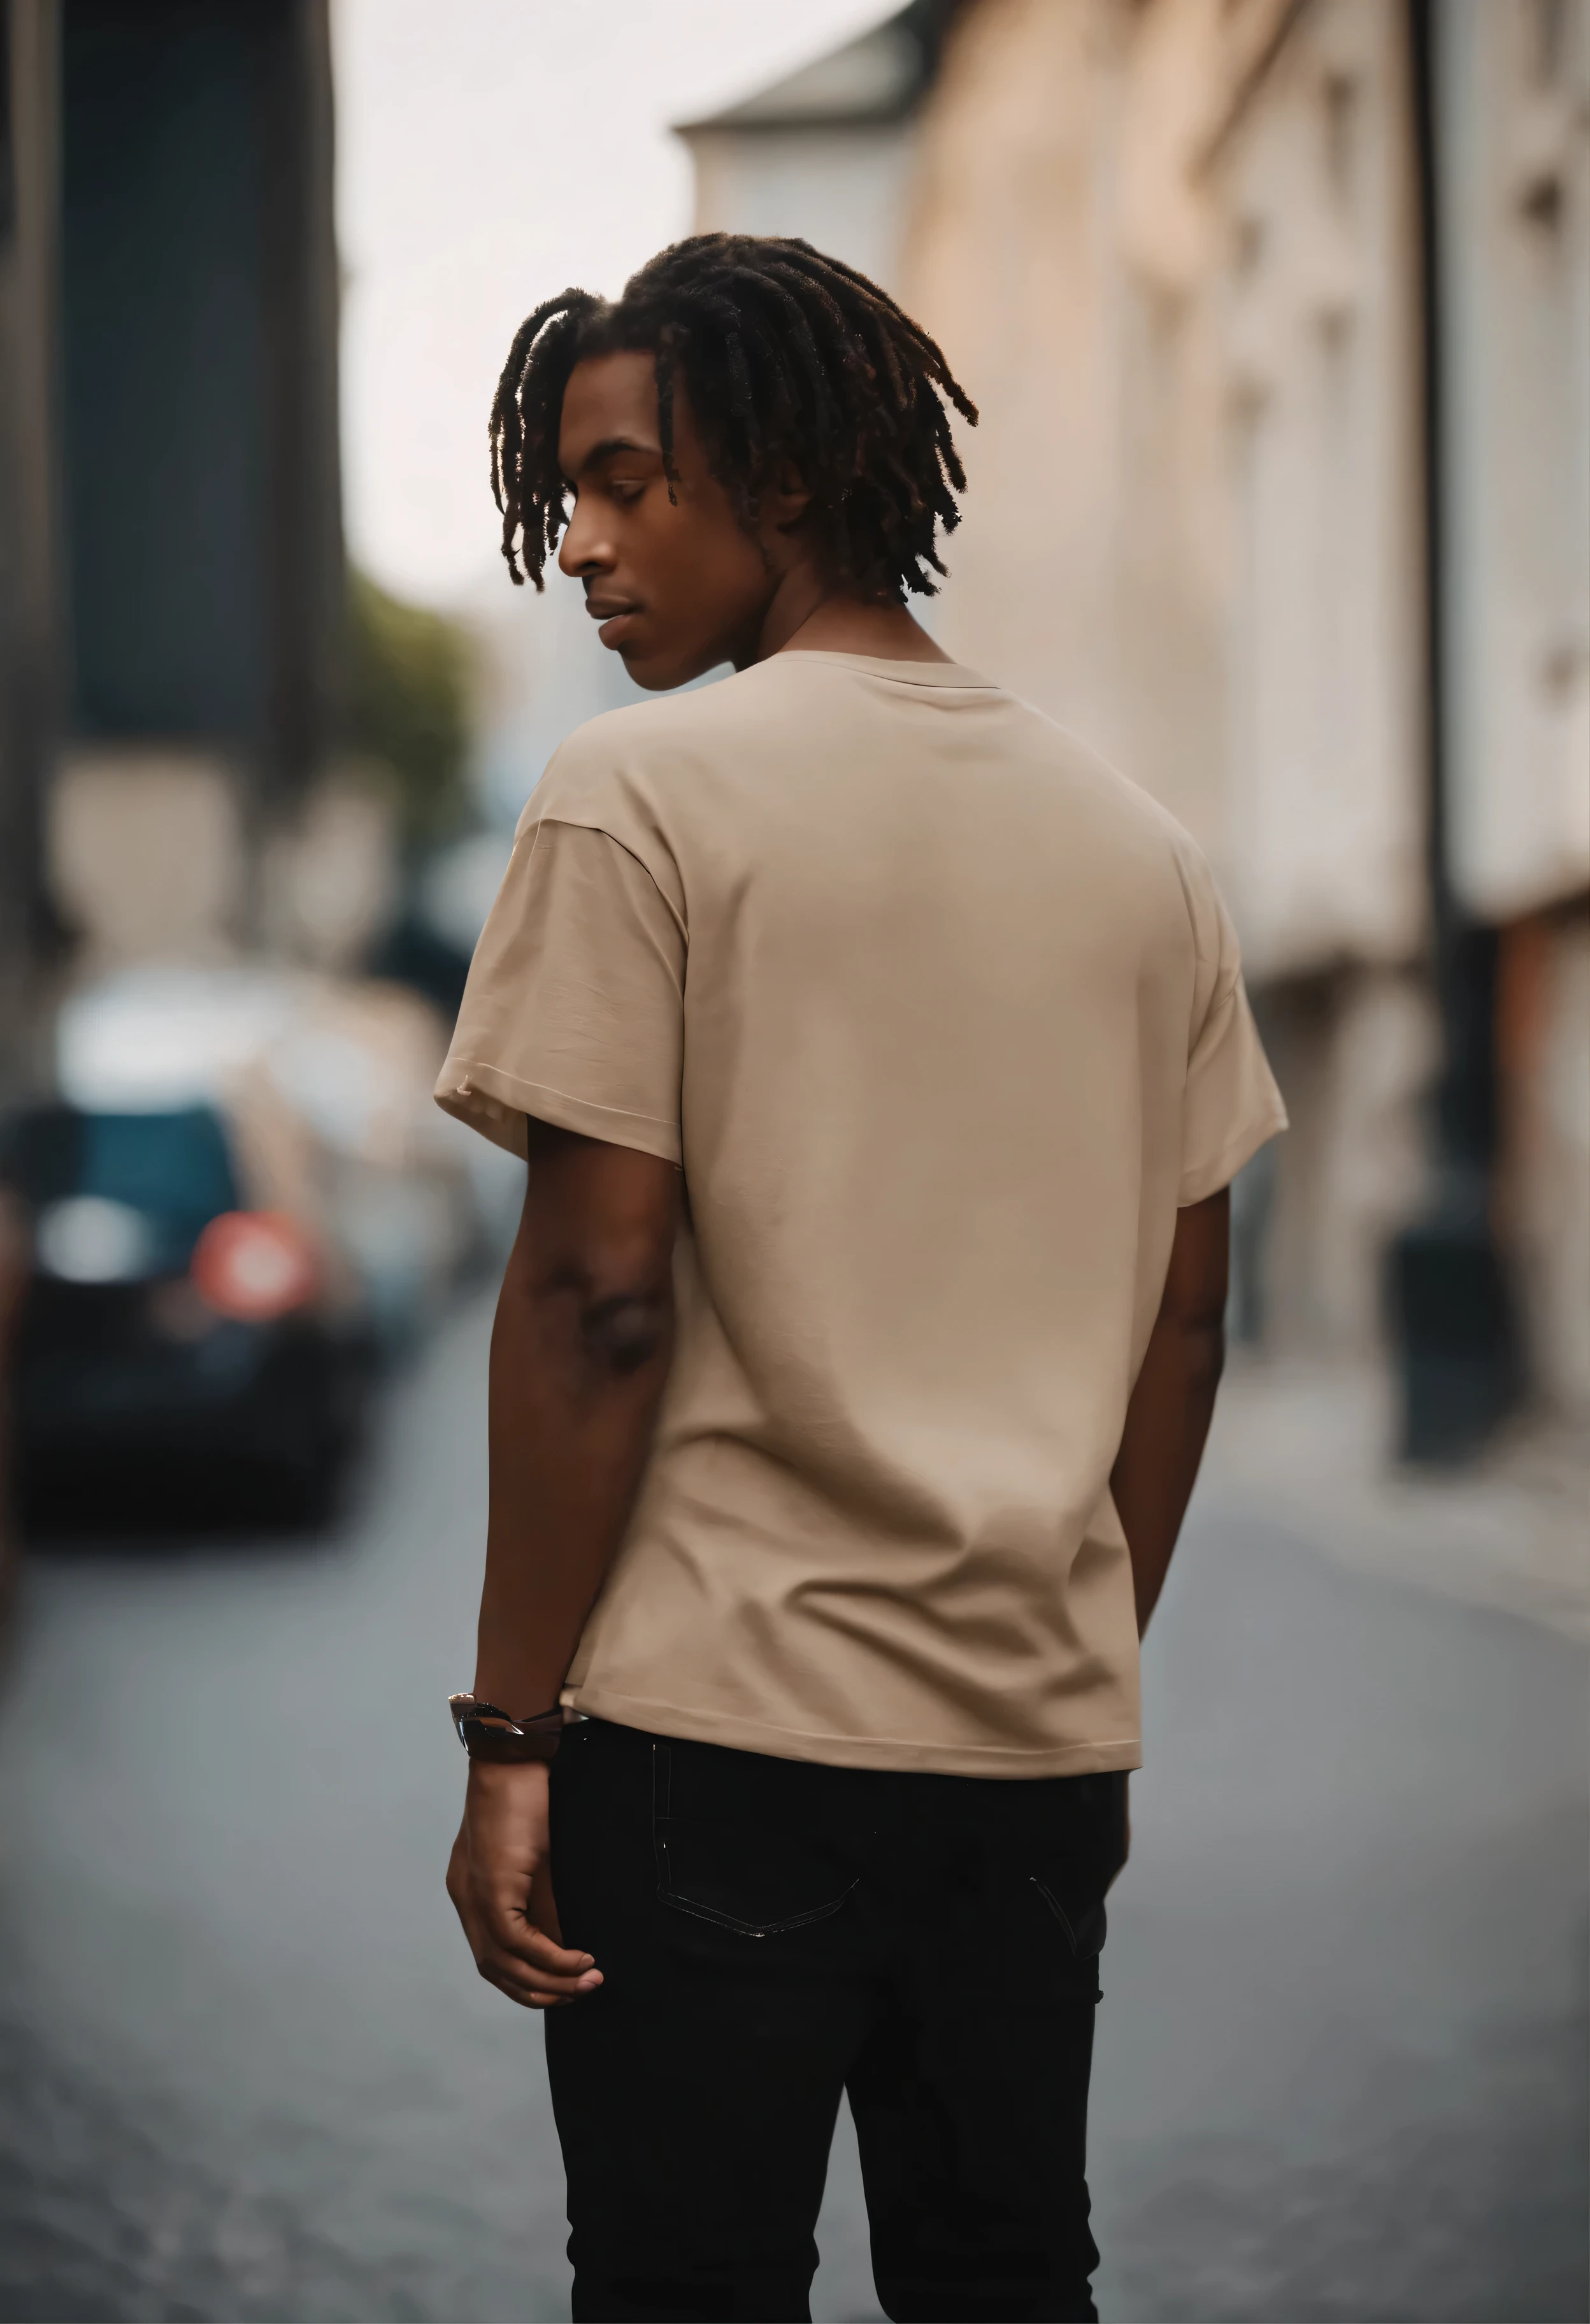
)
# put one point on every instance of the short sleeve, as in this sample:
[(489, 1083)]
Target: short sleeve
[(1230, 1106), (573, 1010)]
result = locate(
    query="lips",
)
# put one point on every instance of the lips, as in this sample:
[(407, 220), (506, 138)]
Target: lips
[(616, 615)]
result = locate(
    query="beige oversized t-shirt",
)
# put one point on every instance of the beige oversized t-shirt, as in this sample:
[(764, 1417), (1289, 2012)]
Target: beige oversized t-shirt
[(942, 1020)]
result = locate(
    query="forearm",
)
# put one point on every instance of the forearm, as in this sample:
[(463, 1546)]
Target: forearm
[(1162, 1445), (580, 1355)]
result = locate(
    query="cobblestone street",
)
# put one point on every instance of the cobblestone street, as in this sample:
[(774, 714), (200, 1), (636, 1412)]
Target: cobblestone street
[(246, 2071)]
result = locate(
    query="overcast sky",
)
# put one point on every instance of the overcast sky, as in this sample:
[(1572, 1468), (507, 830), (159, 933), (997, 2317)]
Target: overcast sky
[(489, 153)]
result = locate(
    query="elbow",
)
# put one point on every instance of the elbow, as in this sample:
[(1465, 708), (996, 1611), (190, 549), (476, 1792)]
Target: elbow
[(623, 1288), (606, 1305), (590, 1277), (1206, 1354), (624, 1331)]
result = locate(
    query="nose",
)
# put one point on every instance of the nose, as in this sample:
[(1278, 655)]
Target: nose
[(583, 549)]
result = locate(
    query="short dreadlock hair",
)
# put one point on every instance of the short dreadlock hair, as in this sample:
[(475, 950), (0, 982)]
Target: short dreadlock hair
[(784, 355)]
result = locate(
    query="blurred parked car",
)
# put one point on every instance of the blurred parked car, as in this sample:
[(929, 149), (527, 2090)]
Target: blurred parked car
[(239, 1195), (168, 1319)]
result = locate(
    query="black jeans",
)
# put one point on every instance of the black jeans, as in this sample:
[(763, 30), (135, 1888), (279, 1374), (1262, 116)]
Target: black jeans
[(772, 1932)]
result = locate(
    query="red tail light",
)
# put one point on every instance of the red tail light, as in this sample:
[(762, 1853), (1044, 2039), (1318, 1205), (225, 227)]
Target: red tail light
[(254, 1266)]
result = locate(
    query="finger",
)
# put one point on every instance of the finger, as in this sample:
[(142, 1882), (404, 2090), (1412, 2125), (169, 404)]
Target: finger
[(543, 1981), (510, 1931), (543, 2001), (561, 1975), (528, 1996), (534, 1958), (518, 1996), (512, 1977), (538, 2001)]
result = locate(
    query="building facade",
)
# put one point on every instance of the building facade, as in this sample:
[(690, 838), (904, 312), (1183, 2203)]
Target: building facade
[(173, 585), (1275, 314), (1512, 79), (830, 151)]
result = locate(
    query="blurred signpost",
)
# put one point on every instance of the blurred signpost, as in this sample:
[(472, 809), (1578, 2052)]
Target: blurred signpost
[(1450, 1308)]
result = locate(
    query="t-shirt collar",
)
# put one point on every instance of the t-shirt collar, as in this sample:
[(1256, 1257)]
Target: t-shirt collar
[(907, 673)]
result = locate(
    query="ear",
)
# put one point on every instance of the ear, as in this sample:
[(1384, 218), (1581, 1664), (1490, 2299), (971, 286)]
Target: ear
[(786, 498)]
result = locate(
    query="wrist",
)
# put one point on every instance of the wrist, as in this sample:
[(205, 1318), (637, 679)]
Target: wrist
[(491, 1777)]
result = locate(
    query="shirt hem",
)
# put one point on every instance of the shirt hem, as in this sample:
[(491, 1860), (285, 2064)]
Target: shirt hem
[(998, 1760), (1198, 1185), (465, 1083)]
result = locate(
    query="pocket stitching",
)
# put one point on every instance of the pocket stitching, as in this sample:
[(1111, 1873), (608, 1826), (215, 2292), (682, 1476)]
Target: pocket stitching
[(1058, 1909), (661, 1802), (748, 1928)]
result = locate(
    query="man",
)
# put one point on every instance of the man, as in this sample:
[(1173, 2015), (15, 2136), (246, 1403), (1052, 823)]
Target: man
[(882, 1061)]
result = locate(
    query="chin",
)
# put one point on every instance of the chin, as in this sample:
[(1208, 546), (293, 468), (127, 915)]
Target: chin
[(654, 673), (649, 677)]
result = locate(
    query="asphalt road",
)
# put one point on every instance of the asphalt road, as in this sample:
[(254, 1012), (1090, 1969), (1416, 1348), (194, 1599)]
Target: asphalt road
[(246, 2070)]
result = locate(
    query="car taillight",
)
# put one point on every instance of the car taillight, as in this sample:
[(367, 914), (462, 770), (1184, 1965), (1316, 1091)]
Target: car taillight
[(254, 1265)]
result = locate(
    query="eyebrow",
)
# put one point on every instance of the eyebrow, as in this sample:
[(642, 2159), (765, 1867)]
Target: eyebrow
[(609, 446)]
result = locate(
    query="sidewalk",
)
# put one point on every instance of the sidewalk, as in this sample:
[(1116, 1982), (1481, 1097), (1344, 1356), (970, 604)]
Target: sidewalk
[(1309, 1443)]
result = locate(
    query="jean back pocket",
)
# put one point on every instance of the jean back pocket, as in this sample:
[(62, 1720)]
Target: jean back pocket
[(732, 1847), (1084, 1849)]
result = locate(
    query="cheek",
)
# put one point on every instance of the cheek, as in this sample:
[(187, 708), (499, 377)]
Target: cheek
[(713, 564), (721, 575)]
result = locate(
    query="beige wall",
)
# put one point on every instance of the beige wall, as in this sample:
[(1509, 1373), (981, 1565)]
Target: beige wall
[(1514, 77), (1354, 1053), (1169, 247), (1057, 250), (1316, 289), (146, 855), (1544, 1210)]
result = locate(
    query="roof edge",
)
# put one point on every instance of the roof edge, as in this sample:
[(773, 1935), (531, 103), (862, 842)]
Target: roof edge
[(879, 77)]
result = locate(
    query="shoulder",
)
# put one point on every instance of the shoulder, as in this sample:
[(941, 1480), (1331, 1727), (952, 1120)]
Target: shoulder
[(1125, 802), (1145, 832), (624, 759), (1090, 773)]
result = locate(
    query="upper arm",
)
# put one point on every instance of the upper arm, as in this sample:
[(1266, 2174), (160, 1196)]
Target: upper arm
[(598, 1217), (573, 1014), (1230, 1104)]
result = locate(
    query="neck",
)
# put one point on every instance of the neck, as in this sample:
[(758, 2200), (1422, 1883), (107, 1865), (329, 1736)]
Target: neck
[(805, 616)]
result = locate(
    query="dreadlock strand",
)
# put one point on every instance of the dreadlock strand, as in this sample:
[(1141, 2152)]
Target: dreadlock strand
[(542, 348), (668, 346), (931, 354)]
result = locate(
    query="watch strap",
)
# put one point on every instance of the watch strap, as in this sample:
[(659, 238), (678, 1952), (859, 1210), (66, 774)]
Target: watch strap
[(487, 1732)]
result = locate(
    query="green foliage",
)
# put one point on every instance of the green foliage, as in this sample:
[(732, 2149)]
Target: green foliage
[(410, 675)]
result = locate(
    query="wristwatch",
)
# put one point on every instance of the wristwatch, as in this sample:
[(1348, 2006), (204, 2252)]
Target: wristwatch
[(488, 1733)]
